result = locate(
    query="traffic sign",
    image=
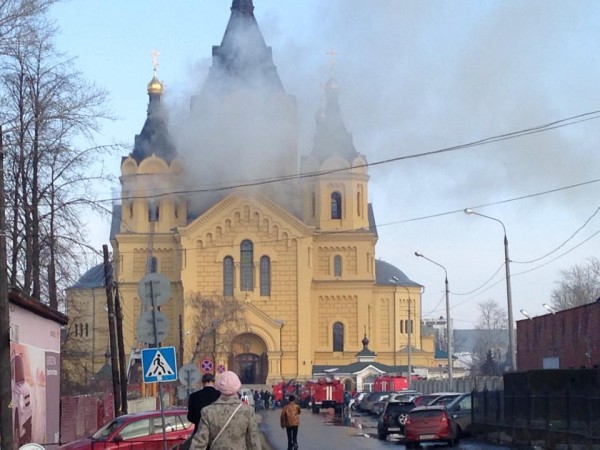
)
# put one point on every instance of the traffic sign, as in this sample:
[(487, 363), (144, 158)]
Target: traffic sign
[(154, 289), (159, 364), (145, 327), (221, 368), (189, 375), (206, 366)]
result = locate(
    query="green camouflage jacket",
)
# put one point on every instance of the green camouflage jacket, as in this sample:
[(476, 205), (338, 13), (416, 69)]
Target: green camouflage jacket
[(240, 434)]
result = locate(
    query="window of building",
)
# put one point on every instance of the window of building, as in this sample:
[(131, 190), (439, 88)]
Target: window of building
[(153, 264), (265, 276), (336, 205), (246, 265), (337, 265), (228, 276), (313, 204), (338, 337), (153, 211)]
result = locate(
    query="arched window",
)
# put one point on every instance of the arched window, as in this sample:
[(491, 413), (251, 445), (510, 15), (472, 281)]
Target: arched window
[(228, 276), (153, 211), (246, 265), (338, 337), (402, 327), (337, 266), (153, 264), (336, 205), (265, 276), (313, 204)]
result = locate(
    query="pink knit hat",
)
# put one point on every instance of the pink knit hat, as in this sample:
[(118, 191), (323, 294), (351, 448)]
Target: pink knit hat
[(228, 383)]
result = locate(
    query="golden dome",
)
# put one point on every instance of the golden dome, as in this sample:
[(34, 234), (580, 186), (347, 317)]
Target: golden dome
[(155, 86)]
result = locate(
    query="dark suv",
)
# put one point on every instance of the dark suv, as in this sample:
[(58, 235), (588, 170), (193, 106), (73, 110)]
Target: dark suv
[(393, 418)]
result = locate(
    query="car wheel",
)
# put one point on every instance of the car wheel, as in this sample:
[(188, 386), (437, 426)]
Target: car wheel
[(315, 410), (381, 436), (402, 419)]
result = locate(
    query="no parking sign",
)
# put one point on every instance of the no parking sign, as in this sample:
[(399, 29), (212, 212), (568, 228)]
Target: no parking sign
[(206, 366), (221, 368)]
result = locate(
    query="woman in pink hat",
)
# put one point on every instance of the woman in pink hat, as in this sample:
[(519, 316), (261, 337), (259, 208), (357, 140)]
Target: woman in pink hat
[(227, 424)]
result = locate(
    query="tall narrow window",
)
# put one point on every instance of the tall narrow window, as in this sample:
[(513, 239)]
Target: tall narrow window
[(338, 337), (153, 264), (246, 265), (153, 211), (313, 204), (228, 276), (265, 276), (337, 265), (336, 205)]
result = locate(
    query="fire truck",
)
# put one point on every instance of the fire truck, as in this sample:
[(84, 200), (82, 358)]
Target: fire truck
[(390, 383), (283, 390), (326, 393)]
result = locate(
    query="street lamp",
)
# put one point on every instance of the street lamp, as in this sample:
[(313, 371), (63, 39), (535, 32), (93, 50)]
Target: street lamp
[(396, 280), (448, 323), (526, 314), (549, 308), (511, 347)]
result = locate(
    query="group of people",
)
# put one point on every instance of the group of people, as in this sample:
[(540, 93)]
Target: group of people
[(222, 421)]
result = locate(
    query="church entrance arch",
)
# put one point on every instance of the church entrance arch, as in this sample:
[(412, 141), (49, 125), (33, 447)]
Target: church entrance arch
[(249, 358)]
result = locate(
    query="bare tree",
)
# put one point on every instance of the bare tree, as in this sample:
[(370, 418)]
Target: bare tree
[(579, 285), (47, 107), (215, 321), (492, 325)]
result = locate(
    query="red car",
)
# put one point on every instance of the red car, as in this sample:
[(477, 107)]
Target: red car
[(430, 424), (138, 431)]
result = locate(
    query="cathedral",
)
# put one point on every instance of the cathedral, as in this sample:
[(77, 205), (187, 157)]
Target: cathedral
[(270, 250)]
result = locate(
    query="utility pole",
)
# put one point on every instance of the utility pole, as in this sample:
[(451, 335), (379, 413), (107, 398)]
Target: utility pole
[(111, 332), (121, 346), (6, 432)]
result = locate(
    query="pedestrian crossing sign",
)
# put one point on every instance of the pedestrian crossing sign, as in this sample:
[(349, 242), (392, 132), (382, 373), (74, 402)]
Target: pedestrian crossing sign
[(159, 364)]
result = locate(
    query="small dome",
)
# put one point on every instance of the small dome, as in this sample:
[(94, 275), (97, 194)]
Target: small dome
[(155, 86)]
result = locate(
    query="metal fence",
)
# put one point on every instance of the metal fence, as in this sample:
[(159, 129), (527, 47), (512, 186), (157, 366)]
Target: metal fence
[(548, 419)]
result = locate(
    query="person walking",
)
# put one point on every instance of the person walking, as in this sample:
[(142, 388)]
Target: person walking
[(290, 420), (200, 399), (228, 423)]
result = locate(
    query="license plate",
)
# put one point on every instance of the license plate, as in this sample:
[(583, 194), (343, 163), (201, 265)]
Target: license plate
[(427, 436), (393, 429)]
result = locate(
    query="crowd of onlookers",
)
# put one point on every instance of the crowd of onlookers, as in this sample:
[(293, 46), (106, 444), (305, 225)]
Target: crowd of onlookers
[(263, 400)]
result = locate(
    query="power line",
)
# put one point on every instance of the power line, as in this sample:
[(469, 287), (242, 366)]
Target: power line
[(568, 121)]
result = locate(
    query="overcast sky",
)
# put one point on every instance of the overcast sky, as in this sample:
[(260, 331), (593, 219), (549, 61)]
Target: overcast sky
[(415, 77)]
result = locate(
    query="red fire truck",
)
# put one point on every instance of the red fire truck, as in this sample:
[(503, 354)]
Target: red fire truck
[(283, 389), (390, 383), (326, 393)]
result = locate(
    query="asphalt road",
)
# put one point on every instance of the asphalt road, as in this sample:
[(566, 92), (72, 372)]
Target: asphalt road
[(326, 431)]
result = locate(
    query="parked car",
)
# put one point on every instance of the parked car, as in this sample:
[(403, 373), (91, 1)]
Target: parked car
[(355, 401), (393, 418), (430, 424), (445, 398), (138, 431), (460, 409), (379, 405), (369, 401), (404, 396), (435, 398)]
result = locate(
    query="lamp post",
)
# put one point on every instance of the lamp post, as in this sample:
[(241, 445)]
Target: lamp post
[(448, 322), (396, 280), (511, 347)]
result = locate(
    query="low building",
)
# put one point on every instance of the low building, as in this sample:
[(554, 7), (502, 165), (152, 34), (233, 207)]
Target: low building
[(35, 332), (568, 339)]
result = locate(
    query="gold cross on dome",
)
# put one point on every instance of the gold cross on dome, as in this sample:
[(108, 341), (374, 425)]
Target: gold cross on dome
[(155, 54)]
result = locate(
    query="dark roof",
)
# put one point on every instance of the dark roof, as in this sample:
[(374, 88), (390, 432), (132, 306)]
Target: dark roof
[(17, 297), (93, 278), (243, 56), (356, 367), (154, 137), (384, 272), (332, 138)]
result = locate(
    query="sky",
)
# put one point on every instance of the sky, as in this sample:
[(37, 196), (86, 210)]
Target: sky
[(417, 79)]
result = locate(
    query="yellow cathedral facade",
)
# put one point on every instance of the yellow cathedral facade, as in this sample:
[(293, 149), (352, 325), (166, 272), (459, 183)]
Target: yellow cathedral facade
[(293, 244)]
